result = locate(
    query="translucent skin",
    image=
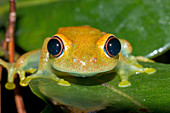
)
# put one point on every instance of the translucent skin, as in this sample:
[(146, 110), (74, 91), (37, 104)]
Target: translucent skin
[(83, 56)]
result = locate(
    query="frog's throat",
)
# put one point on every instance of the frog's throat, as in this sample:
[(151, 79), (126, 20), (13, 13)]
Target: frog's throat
[(83, 74)]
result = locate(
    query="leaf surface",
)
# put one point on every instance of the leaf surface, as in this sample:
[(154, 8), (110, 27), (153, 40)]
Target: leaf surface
[(149, 91)]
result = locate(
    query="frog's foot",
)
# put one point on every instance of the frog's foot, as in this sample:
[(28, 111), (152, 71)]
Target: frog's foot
[(10, 85), (124, 83), (44, 74), (126, 70), (11, 73), (149, 70), (63, 83), (138, 65), (143, 59), (60, 81)]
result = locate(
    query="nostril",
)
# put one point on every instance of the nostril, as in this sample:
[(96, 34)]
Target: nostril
[(93, 60)]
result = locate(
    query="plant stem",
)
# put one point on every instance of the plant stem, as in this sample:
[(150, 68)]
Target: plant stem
[(10, 30), (9, 38)]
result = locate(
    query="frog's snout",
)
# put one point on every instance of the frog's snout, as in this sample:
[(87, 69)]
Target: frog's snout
[(85, 61), (85, 66)]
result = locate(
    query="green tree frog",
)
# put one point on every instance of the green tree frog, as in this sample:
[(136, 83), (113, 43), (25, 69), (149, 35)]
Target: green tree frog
[(80, 51)]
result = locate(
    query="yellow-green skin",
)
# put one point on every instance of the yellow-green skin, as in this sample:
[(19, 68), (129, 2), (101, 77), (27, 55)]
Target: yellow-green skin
[(83, 56)]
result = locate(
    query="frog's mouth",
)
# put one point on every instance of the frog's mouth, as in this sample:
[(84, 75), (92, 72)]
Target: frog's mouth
[(81, 74)]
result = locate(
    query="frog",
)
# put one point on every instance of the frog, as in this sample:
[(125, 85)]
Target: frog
[(77, 51)]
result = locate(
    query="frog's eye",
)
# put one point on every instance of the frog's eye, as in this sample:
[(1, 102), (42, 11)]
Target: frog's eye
[(55, 46), (112, 46)]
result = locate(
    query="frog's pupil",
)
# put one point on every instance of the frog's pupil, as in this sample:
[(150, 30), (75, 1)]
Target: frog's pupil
[(113, 46), (54, 47)]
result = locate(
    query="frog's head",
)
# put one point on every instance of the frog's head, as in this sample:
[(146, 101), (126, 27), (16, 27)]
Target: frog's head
[(83, 51)]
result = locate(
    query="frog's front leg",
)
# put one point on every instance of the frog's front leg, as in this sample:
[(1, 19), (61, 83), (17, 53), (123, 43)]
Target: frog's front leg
[(45, 74), (125, 70), (128, 64)]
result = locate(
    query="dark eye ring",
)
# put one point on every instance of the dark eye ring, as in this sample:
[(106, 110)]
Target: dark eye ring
[(112, 46), (55, 46)]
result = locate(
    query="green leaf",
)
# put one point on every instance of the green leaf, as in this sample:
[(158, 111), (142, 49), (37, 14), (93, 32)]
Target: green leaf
[(151, 91), (141, 22)]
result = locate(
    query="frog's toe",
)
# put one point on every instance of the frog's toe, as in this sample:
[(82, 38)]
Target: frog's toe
[(150, 70), (138, 65), (124, 83), (26, 81), (10, 85), (143, 59), (63, 83)]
